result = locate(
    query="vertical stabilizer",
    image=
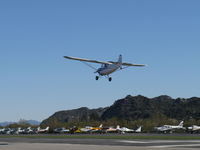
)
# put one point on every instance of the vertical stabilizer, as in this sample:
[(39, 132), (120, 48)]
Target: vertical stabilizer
[(47, 128), (120, 59), (181, 124), (139, 130)]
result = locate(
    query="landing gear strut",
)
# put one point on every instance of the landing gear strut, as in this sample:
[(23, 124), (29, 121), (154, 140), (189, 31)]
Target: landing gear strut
[(97, 77)]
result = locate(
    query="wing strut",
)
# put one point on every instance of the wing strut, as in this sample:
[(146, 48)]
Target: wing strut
[(89, 65)]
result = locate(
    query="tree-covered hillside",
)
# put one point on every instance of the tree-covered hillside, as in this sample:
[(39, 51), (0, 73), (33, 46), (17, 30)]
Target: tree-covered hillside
[(132, 111)]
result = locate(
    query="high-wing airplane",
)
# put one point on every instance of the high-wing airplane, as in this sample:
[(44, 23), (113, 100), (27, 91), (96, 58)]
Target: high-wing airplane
[(107, 67), (169, 128), (20, 131), (39, 130), (61, 130), (91, 129), (127, 130)]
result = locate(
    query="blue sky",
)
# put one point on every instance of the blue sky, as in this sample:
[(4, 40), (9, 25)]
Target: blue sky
[(37, 81)]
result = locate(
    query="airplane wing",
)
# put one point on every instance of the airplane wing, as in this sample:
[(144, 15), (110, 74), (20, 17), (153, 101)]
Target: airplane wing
[(87, 60), (129, 64)]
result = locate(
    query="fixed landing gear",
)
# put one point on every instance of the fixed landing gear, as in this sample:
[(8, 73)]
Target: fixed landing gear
[(97, 77), (109, 78)]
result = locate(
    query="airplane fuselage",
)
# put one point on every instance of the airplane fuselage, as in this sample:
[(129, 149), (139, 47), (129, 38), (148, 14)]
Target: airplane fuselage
[(108, 69), (168, 127)]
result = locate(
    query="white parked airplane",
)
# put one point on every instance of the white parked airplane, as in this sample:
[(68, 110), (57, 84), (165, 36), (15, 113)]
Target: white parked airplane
[(127, 130), (20, 131), (29, 130), (2, 131), (39, 130), (111, 129), (107, 67), (194, 128), (166, 128), (61, 130)]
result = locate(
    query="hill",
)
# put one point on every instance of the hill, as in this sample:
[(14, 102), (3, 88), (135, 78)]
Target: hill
[(133, 108), (31, 122), (82, 114)]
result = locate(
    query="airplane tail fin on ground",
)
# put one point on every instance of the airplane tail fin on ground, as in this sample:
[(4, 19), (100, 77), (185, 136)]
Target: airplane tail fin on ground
[(38, 128), (139, 129), (181, 123), (101, 125)]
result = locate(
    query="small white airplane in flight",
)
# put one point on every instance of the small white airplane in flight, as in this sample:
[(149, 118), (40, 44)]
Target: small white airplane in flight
[(107, 67)]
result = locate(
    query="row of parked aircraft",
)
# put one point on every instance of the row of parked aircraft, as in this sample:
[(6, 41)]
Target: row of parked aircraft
[(28, 130), (87, 129), (100, 129)]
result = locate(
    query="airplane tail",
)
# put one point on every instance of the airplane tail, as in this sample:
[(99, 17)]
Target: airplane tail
[(38, 129), (47, 128), (118, 127), (101, 125), (119, 59), (139, 129), (181, 124)]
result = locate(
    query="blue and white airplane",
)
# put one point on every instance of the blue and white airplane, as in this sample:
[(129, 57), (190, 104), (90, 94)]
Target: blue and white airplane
[(107, 67)]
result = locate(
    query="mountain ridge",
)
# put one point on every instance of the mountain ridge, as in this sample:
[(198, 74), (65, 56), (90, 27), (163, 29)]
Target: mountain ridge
[(132, 108)]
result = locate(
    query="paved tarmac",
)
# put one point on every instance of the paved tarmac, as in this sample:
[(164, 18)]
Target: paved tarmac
[(16, 143)]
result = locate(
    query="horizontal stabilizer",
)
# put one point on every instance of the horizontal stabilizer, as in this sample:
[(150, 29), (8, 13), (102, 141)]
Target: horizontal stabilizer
[(129, 64)]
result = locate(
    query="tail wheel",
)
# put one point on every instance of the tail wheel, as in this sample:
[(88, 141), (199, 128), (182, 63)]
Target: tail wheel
[(97, 77), (109, 79)]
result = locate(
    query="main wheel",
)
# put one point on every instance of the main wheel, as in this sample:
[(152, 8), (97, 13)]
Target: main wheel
[(109, 79), (97, 77)]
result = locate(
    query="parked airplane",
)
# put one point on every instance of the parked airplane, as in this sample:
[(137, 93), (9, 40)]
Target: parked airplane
[(111, 129), (39, 130), (97, 129), (169, 128), (138, 130), (194, 128), (91, 129), (20, 131), (2, 130), (85, 129), (74, 129), (127, 130), (29, 130), (107, 67), (61, 130)]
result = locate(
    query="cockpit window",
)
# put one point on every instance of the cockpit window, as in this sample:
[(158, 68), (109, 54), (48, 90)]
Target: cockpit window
[(104, 65)]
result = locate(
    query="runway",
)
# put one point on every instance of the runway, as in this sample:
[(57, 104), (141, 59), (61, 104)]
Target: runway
[(16, 143)]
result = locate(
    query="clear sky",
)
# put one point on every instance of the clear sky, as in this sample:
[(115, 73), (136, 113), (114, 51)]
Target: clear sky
[(36, 81)]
